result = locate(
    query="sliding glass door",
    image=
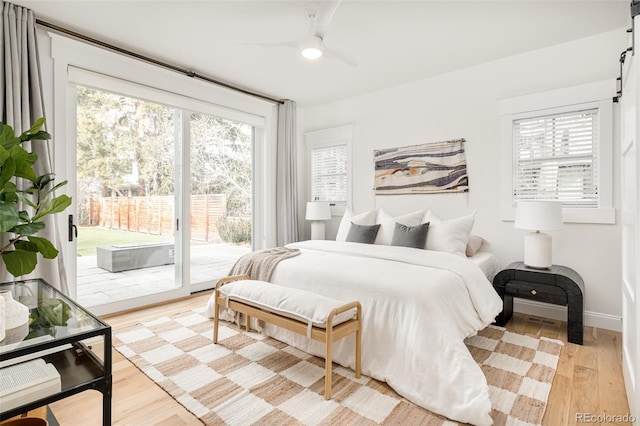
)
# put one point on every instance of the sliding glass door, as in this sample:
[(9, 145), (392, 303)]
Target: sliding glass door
[(167, 174), (126, 192), (163, 199)]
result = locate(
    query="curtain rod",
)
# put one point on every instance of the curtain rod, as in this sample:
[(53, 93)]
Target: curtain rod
[(175, 68)]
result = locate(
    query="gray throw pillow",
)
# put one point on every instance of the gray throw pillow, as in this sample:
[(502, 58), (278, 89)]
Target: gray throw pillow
[(410, 236), (362, 233)]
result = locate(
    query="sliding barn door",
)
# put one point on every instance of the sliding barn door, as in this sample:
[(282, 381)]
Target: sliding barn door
[(630, 215)]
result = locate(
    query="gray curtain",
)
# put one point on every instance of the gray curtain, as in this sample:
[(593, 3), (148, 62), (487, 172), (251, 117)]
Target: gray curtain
[(22, 104), (286, 185)]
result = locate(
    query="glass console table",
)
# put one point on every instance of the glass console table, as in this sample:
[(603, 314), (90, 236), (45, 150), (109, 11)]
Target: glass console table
[(67, 347)]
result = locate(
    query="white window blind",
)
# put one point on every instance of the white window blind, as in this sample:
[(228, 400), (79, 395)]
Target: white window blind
[(329, 174), (556, 158)]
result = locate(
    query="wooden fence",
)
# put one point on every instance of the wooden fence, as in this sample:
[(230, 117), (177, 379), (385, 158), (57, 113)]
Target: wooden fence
[(155, 214)]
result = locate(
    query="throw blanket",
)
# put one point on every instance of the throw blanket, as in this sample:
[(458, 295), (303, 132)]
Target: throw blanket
[(259, 265)]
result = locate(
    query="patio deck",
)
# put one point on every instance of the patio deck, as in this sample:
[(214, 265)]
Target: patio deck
[(97, 286)]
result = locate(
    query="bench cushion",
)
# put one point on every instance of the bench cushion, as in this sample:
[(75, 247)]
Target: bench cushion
[(307, 307)]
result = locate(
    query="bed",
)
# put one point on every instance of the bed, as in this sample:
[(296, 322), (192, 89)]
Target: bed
[(418, 307)]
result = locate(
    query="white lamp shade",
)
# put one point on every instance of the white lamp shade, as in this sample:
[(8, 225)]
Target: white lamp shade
[(318, 210), (539, 215)]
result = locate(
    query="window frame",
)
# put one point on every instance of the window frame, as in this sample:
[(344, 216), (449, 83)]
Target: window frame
[(597, 95), (325, 138)]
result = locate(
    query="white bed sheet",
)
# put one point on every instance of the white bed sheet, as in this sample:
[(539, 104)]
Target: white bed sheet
[(418, 307), (487, 262)]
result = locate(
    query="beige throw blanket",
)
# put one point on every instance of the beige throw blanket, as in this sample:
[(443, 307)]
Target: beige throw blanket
[(259, 265)]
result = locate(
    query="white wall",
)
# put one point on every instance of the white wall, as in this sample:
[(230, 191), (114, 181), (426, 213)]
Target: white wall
[(464, 104)]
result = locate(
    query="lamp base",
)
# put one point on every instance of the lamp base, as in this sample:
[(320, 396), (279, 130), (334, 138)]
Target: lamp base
[(317, 230), (537, 250)]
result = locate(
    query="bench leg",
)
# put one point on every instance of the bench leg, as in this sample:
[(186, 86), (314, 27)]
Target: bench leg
[(328, 370), (358, 352), (216, 320), (247, 322)]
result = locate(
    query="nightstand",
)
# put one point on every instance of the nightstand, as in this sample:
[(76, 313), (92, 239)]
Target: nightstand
[(558, 285)]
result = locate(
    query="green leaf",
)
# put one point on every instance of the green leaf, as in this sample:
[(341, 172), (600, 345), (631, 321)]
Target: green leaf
[(56, 205), (27, 201), (20, 262), (44, 180), (60, 185), (34, 133), (45, 247), (22, 245), (8, 197), (8, 216), (8, 136), (9, 187), (38, 136), (8, 171), (8, 193), (37, 125), (4, 155), (24, 163), (28, 228)]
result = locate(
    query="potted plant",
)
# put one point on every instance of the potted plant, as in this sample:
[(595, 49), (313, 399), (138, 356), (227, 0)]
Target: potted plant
[(25, 201), (19, 183)]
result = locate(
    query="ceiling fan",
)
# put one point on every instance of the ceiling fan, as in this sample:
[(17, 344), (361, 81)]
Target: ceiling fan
[(312, 46)]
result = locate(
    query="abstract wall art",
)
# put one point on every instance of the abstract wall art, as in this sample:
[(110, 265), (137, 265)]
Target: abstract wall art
[(421, 169)]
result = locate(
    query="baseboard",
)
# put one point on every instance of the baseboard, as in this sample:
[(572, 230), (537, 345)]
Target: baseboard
[(592, 319)]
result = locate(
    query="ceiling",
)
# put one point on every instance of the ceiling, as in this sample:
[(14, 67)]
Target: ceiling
[(394, 42)]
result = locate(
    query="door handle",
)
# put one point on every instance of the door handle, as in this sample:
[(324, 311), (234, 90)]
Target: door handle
[(73, 229)]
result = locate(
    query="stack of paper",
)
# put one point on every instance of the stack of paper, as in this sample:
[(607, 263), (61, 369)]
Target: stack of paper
[(26, 382)]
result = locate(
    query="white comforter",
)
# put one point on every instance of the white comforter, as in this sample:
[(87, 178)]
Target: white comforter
[(418, 307)]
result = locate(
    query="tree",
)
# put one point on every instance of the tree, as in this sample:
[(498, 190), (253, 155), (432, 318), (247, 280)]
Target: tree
[(126, 146), (221, 153)]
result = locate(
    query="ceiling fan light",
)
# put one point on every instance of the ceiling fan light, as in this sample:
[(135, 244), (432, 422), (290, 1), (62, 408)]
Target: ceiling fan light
[(311, 52)]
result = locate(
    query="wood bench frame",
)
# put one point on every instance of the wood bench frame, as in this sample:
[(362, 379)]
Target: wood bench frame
[(327, 335)]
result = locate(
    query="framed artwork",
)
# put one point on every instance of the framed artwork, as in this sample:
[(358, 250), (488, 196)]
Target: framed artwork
[(421, 169)]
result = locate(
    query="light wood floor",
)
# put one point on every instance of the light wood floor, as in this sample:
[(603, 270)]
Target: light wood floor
[(588, 379)]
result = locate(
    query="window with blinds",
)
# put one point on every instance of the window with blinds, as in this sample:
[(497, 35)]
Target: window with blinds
[(329, 174), (556, 158)]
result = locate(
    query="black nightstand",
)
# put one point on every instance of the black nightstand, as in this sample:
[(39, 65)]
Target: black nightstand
[(558, 285)]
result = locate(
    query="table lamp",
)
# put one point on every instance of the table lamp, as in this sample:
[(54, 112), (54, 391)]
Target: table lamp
[(318, 212), (538, 216)]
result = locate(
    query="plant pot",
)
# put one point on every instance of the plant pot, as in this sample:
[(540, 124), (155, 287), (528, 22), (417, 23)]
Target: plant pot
[(37, 417)]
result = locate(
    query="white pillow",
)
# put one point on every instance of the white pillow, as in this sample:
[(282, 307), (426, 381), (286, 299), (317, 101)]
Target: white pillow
[(366, 218), (450, 236), (388, 223)]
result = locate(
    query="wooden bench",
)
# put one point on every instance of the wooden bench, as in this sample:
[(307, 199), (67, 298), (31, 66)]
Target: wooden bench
[(330, 321)]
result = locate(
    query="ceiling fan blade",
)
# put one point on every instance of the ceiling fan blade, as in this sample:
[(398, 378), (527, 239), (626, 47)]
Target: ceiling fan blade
[(339, 56), (292, 44), (323, 16)]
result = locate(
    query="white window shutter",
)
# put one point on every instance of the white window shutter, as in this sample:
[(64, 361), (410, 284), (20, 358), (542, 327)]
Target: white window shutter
[(329, 174), (557, 158)]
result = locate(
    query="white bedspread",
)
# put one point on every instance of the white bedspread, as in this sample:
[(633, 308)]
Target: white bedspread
[(418, 307)]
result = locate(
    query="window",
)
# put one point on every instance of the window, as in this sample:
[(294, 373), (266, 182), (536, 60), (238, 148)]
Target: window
[(329, 174), (557, 146), (330, 166), (556, 158)]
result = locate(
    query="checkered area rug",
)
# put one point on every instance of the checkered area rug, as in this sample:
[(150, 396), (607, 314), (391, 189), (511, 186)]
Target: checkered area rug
[(252, 379)]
